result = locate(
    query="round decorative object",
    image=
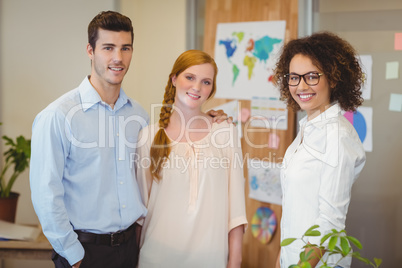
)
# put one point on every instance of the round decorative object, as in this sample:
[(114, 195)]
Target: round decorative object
[(263, 224), (359, 122)]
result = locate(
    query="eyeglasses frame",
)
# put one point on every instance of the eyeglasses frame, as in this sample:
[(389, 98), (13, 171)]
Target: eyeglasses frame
[(302, 76)]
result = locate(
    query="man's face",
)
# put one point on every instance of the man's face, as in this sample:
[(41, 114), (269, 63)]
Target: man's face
[(110, 59)]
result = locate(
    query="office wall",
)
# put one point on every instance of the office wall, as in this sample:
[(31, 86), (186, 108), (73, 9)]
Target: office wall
[(375, 213), (43, 55), (160, 37)]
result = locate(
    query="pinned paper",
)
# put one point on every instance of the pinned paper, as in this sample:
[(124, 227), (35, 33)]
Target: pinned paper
[(245, 114), (362, 121), (273, 141), (232, 109), (395, 103), (264, 181), (269, 113), (398, 41), (392, 70), (367, 62)]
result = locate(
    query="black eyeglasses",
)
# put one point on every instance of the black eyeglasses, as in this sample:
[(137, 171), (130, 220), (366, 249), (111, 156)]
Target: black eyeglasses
[(310, 79)]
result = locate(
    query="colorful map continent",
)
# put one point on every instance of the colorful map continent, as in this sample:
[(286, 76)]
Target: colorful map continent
[(250, 63), (230, 47), (264, 46)]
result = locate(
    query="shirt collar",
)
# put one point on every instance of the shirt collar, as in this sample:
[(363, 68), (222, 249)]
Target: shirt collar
[(89, 96), (316, 138), (331, 112)]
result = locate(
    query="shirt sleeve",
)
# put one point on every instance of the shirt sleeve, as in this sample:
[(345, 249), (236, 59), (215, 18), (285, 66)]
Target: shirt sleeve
[(143, 161), (237, 205), (336, 183), (49, 150)]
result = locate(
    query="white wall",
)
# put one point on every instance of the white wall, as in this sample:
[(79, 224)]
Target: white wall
[(159, 38), (43, 55)]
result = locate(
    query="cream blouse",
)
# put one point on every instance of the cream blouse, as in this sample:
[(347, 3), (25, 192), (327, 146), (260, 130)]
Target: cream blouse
[(199, 199)]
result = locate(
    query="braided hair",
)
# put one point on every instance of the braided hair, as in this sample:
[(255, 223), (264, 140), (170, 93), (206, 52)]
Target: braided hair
[(160, 148)]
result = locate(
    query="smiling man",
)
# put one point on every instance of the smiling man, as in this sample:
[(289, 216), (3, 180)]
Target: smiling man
[(83, 186)]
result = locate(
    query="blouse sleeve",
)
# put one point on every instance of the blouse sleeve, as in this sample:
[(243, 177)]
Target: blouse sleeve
[(336, 183), (237, 207), (144, 176)]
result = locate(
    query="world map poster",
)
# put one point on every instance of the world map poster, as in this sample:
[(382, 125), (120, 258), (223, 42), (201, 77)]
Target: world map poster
[(246, 54)]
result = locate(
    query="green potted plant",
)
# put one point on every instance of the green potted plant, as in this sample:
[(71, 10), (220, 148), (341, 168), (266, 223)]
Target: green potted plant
[(17, 155), (343, 248)]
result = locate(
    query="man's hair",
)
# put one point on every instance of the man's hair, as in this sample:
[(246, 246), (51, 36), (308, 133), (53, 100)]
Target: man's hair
[(111, 21)]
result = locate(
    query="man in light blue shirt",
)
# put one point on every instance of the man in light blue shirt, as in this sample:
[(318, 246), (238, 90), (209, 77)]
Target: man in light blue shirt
[(82, 164)]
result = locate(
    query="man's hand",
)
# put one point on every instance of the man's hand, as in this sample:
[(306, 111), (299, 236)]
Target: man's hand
[(219, 116), (77, 265), (138, 229)]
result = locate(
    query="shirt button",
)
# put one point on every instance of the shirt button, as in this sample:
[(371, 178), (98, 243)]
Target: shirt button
[(117, 134), (121, 183), (123, 206)]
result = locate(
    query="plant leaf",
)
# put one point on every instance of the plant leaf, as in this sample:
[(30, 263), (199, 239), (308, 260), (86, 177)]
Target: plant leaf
[(365, 260), (312, 233), (311, 229), (345, 246), (355, 241), (305, 265), (287, 241), (325, 237), (332, 243), (310, 246), (377, 261)]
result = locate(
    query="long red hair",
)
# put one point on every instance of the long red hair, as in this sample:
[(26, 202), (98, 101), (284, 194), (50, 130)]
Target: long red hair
[(160, 148)]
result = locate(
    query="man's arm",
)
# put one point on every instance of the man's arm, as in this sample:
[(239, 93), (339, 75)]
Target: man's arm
[(48, 150), (219, 116)]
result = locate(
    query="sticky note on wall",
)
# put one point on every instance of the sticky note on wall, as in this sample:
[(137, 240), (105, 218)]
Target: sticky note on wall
[(392, 70), (398, 41), (395, 102)]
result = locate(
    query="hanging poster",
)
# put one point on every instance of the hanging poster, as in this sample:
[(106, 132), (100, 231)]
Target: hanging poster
[(263, 224), (269, 113), (246, 54), (367, 64), (264, 181), (362, 121), (232, 109)]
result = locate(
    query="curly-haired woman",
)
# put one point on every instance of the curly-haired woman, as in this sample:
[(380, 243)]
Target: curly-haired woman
[(321, 75)]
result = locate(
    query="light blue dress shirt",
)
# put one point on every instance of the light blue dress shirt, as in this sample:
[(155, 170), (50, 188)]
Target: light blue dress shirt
[(82, 171)]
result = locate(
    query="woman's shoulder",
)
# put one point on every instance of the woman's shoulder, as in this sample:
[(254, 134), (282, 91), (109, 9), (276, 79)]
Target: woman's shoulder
[(223, 124), (223, 128), (225, 133)]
